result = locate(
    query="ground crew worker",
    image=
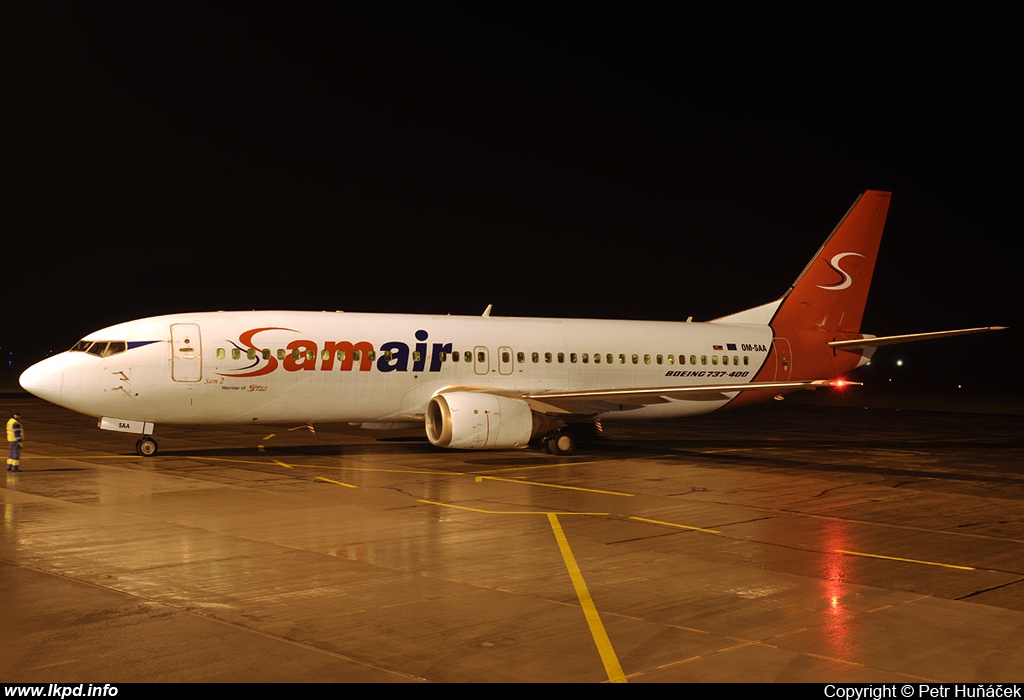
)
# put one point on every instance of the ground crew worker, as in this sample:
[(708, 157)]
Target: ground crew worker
[(14, 437)]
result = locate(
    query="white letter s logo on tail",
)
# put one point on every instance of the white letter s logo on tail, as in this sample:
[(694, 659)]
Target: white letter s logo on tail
[(834, 264)]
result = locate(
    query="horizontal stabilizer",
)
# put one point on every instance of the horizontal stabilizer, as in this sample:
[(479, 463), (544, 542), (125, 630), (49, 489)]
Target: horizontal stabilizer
[(908, 338)]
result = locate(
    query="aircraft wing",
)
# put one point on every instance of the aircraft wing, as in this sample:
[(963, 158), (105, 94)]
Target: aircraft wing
[(600, 400)]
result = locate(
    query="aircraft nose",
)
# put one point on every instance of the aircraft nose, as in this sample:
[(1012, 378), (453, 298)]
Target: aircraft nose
[(43, 379)]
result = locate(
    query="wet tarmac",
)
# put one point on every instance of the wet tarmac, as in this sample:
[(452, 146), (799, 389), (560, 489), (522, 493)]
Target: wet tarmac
[(782, 542)]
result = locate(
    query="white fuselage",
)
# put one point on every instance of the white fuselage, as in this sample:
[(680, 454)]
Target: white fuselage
[(271, 366)]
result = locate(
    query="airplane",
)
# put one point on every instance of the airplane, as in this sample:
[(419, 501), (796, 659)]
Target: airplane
[(477, 382)]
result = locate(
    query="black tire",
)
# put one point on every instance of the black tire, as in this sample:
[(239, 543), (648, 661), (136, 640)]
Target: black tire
[(561, 442), (146, 447)]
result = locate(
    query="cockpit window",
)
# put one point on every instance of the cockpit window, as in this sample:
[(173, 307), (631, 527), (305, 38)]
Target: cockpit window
[(100, 348)]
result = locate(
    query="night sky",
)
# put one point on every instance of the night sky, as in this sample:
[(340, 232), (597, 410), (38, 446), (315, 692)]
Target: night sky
[(619, 161)]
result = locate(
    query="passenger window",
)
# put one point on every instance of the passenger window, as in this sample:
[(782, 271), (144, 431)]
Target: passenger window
[(636, 359), (671, 359), (455, 356), (535, 357), (647, 359), (481, 357), (505, 357), (714, 359), (725, 359), (597, 358), (521, 357), (572, 357), (467, 356), (703, 359), (735, 360), (266, 353), (746, 359), (658, 359), (250, 354), (561, 358), (221, 354), (609, 357), (622, 359), (280, 353), (236, 354), (693, 360), (417, 356)]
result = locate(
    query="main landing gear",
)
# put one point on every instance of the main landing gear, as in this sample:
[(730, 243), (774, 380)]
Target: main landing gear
[(146, 447), (560, 442)]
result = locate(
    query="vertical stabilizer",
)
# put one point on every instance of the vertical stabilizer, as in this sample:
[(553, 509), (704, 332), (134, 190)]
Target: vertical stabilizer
[(831, 292)]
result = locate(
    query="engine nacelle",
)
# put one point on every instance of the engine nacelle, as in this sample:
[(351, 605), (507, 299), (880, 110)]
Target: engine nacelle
[(465, 420)]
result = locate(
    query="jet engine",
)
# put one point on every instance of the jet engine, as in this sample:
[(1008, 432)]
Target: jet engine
[(465, 420)]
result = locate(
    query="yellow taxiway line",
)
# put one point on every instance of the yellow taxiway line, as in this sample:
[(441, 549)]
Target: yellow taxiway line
[(681, 527), (480, 478), (597, 631), (909, 561), (332, 481)]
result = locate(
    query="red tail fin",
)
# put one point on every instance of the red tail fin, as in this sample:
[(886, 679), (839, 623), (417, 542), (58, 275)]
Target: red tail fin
[(830, 294)]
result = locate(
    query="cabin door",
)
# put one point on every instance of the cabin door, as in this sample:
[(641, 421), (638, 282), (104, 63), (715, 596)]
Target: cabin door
[(186, 353)]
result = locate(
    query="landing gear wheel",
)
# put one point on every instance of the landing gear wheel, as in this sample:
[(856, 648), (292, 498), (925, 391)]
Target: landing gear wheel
[(146, 447), (561, 442)]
